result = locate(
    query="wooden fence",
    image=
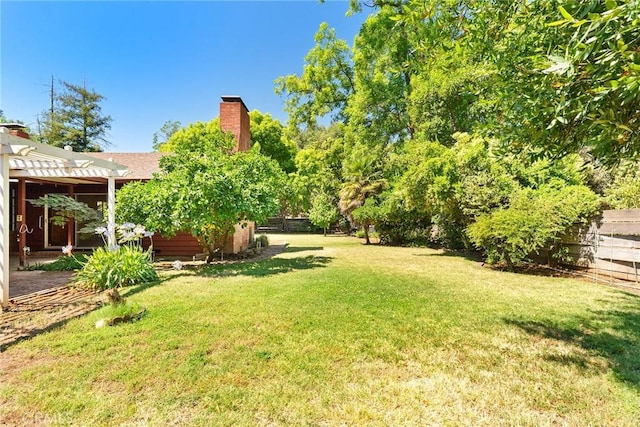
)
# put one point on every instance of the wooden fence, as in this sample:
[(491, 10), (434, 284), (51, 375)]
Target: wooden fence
[(609, 247), (288, 225)]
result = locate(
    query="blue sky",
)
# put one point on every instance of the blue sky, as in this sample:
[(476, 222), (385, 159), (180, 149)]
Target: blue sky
[(158, 60)]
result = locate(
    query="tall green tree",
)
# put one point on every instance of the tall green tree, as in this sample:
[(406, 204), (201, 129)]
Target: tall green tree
[(75, 119), (165, 133), (325, 85), (199, 137), (267, 136), (324, 211), (384, 69)]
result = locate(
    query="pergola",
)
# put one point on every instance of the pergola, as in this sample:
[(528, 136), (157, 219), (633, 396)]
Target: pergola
[(23, 159)]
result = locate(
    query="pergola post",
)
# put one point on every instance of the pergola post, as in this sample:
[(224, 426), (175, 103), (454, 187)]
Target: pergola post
[(70, 223), (22, 224), (4, 229), (111, 207)]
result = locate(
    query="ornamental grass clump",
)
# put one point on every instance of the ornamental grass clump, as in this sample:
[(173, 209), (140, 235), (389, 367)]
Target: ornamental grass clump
[(64, 263), (124, 264)]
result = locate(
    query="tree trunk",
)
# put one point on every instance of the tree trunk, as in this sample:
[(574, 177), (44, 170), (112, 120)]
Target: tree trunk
[(207, 248), (366, 235)]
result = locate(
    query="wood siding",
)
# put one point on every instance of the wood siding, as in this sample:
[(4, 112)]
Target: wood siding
[(182, 245), (608, 247)]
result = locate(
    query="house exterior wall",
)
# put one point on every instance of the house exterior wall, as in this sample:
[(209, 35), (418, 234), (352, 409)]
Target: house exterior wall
[(241, 239), (181, 245)]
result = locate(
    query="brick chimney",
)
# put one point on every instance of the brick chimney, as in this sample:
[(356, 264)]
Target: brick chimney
[(234, 117), (16, 129)]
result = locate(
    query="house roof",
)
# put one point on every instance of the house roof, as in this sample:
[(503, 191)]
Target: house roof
[(141, 166)]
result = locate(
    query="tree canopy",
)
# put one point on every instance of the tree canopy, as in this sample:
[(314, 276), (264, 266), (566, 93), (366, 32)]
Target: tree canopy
[(457, 116), (267, 136), (75, 118), (204, 188)]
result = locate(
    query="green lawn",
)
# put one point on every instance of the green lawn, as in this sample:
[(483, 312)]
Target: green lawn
[(336, 333)]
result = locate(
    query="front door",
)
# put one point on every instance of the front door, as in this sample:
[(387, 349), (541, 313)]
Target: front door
[(56, 235)]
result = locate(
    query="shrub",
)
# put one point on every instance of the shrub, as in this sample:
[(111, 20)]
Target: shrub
[(624, 191), (126, 265), (398, 225), (323, 211), (263, 240), (534, 219), (64, 263)]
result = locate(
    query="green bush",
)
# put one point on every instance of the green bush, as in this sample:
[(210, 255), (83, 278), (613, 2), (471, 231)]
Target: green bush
[(398, 225), (324, 211), (624, 191), (64, 263), (534, 219), (263, 240), (125, 265)]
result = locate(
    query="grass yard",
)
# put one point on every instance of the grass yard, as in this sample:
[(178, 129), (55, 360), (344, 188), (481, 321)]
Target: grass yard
[(332, 332)]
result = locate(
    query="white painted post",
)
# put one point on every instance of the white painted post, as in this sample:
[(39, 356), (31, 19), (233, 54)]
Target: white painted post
[(5, 222), (111, 207)]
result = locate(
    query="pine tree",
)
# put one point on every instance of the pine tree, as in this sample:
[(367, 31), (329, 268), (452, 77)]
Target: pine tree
[(75, 119)]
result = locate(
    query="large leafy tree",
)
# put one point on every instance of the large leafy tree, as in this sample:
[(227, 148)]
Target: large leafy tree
[(384, 70), (199, 137), (267, 136), (75, 119), (204, 189), (595, 75), (325, 85), (457, 106)]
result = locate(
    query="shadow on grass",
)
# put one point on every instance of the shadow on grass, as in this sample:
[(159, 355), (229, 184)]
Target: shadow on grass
[(468, 255), (265, 267), (127, 292), (303, 248), (611, 334)]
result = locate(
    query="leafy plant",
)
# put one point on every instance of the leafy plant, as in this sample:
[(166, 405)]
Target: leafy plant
[(125, 265), (206, 192), (534, 219), (262, 240), (64, 263), (365, 216), (323, 211), (67, 208), (118, 266), (624, 191)]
